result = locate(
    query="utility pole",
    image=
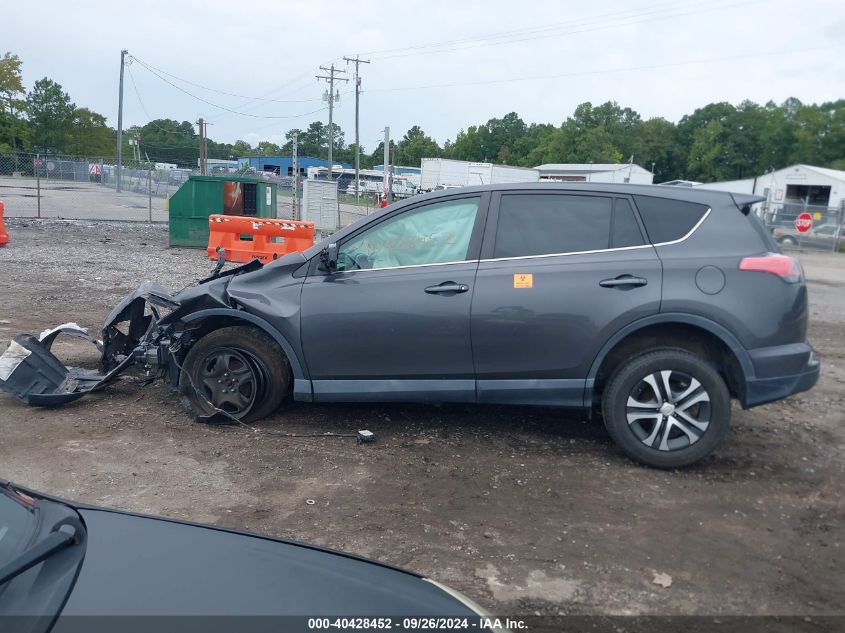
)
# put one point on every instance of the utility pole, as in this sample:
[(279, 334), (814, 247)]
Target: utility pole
[(201, 124), (117, 174), (357, 61), (295, 165), (388, 189), (331, 98)]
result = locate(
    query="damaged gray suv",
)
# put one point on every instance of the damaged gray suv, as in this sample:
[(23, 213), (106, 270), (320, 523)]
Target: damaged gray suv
[(654, 306)]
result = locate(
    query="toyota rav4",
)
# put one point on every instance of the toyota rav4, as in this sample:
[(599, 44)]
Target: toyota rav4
[(653, 306)]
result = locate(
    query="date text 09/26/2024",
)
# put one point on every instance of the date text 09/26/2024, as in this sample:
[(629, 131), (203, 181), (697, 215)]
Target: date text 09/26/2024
[(481, 623)]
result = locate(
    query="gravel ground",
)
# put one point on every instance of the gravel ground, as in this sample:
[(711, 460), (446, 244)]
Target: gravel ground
[(525, 510)]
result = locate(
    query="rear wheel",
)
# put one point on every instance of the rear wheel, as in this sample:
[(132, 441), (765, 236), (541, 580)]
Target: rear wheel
[(239, 373), (667, 408)]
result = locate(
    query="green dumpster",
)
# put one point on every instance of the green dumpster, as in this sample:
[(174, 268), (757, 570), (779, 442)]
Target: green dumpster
[(202, 196)]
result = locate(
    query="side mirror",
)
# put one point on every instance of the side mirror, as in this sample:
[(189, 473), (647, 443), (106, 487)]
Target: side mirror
[(328, 258)]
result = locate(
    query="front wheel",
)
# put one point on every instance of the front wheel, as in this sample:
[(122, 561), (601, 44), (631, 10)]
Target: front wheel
[(236, 374), (668, 408)]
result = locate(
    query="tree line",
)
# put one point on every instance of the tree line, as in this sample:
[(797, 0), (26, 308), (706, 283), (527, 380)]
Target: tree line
[(719, 141)]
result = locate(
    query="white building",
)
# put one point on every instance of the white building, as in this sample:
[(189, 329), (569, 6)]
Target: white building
[(818, 187), (598, 172)]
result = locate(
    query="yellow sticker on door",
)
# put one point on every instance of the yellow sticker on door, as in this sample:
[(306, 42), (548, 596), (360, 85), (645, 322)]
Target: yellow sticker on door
[(523, 280)]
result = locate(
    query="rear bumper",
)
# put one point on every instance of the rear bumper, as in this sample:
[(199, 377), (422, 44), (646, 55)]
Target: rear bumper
[(780, 372)]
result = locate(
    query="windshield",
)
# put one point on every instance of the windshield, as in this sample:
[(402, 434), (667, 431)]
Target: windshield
[(16, 524)]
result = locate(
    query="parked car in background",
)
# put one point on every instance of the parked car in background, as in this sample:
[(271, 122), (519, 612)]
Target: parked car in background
[(651, 306), (822, 237), (61, 559)]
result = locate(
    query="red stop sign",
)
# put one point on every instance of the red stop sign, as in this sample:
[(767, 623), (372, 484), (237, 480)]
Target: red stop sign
[(804, 222)]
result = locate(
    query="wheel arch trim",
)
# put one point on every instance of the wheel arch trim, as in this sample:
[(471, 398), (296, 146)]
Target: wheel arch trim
[(668, 318), (301, 386)]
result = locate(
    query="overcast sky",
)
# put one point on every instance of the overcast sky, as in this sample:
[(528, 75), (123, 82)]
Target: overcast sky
[(443, 65)]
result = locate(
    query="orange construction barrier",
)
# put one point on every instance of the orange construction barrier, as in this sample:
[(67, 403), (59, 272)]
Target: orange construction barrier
[(4, 237), (266, 239)]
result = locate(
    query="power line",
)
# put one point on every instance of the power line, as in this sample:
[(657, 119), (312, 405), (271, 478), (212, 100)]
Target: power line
[(151, 119), (579, 73), (306, 84), (614, 21), (150, 67), (186, 136), (220, 107), (501, 34)]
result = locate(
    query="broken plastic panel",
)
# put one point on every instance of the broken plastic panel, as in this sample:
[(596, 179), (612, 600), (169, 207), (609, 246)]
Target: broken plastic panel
[(30, 371), (33, 374)]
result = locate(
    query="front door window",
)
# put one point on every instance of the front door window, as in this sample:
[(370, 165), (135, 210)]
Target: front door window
[(434, 234)]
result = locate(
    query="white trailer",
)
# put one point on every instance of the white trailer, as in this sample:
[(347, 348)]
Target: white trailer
[(490, 174), (446, 173), (437, 172)]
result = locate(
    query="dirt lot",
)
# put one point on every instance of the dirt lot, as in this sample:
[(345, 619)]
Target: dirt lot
[(526, 510)]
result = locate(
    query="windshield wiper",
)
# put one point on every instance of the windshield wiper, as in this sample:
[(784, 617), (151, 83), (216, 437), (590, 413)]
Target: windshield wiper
[(44, 549)]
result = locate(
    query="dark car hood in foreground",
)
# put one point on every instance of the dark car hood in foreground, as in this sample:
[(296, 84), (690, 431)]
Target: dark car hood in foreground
[(145, 566)]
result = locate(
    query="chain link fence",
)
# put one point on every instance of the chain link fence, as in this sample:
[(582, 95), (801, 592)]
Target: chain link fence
[(84, 188), (802, 226)]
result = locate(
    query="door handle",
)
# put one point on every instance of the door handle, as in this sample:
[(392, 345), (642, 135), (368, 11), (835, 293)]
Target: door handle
[(623, 280), (447, 287)]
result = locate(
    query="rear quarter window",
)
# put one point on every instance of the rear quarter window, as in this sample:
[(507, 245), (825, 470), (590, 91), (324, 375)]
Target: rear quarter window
[(667, 220)]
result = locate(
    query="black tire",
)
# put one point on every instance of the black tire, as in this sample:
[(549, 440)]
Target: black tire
[(787, 241), (658, 435), (240, 370)]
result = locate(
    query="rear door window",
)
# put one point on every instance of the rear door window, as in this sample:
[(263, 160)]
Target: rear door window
[(667, 220), (544, 224)]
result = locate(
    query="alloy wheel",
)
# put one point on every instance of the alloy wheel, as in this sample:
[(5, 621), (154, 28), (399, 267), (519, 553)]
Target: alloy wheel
[(668, 410)]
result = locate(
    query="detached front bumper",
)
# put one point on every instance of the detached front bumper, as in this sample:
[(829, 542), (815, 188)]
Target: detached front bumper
[(34, 375), (781, 372)]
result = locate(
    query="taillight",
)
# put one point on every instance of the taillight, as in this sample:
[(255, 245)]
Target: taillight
[(785, 267)]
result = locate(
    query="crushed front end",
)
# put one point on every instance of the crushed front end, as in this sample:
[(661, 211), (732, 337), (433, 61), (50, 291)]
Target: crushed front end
[(143, 331)]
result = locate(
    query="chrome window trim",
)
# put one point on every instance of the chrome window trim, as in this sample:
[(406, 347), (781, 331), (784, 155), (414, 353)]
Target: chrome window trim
[(504, 259), (607, 250), (691, 231), (600, 250), (366, 270)]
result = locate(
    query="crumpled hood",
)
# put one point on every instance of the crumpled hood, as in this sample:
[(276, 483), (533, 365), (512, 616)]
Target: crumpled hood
[(150, 291)]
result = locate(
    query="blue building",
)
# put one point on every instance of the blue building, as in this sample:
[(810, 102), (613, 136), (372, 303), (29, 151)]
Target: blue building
[(283, 165)]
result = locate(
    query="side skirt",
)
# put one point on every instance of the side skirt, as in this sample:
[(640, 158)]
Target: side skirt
[(538, 392), (553, 392), (393, 390)]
